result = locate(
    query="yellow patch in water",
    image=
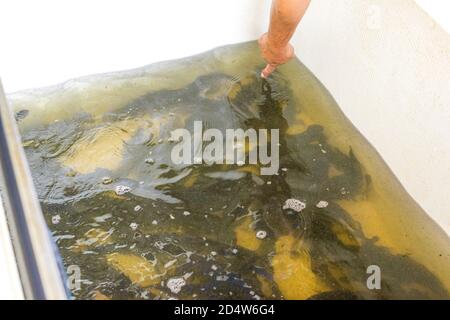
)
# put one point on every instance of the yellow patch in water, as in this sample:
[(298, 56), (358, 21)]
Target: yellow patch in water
[(103, 147), (254, 169), (100, 296), (190, 181), (296, 129), (292, 271), (94, 237), (372, 222), (234, 90), (344, 236), (112, 195), (301, 123), (246, 236), (139, 270)]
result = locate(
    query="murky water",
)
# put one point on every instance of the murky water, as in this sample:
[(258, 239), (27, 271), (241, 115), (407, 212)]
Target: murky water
[(139, 226)]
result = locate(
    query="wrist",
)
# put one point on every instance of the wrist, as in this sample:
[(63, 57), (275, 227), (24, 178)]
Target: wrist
[(276, 44)]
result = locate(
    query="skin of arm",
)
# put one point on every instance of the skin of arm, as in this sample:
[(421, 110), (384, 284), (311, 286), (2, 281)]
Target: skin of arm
[(284, 18)]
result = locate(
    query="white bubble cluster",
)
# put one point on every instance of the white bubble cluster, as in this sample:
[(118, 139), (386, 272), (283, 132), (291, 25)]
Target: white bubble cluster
[(261, 234), (56, 219), (133, 226), (176, 284), (121, 190), (294, 204), (322, 204)]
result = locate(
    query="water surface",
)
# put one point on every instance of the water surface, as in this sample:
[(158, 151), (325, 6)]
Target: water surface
[(140, 227)]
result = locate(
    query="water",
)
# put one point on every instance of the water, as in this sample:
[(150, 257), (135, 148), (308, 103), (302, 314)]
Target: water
[(139, 226)]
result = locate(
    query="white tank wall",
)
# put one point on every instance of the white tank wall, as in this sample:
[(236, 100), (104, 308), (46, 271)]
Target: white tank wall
[(439, 10), (387, 63)]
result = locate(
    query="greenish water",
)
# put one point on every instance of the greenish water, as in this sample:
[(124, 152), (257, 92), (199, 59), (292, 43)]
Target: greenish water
[(139, 226)]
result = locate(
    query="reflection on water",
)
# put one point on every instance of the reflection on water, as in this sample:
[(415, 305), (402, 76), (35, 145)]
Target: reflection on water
[(139, 226)]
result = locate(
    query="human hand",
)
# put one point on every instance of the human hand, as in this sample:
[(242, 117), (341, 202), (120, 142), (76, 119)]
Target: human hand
[(273, 54)]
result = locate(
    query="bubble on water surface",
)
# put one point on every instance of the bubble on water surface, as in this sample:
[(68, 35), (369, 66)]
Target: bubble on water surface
[(106, 180), (322, 204), (294, 204), (56, 219), (133, 226), (121, 190), (261, 234), (176, 284)]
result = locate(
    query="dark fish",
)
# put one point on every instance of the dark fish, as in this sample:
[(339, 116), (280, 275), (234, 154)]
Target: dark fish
[(22, 114)]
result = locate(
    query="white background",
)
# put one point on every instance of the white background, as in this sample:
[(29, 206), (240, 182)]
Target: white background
[(43, 42)]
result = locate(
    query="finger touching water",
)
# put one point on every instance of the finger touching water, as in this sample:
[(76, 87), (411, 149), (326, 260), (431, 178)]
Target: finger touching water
[(268, 70)]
